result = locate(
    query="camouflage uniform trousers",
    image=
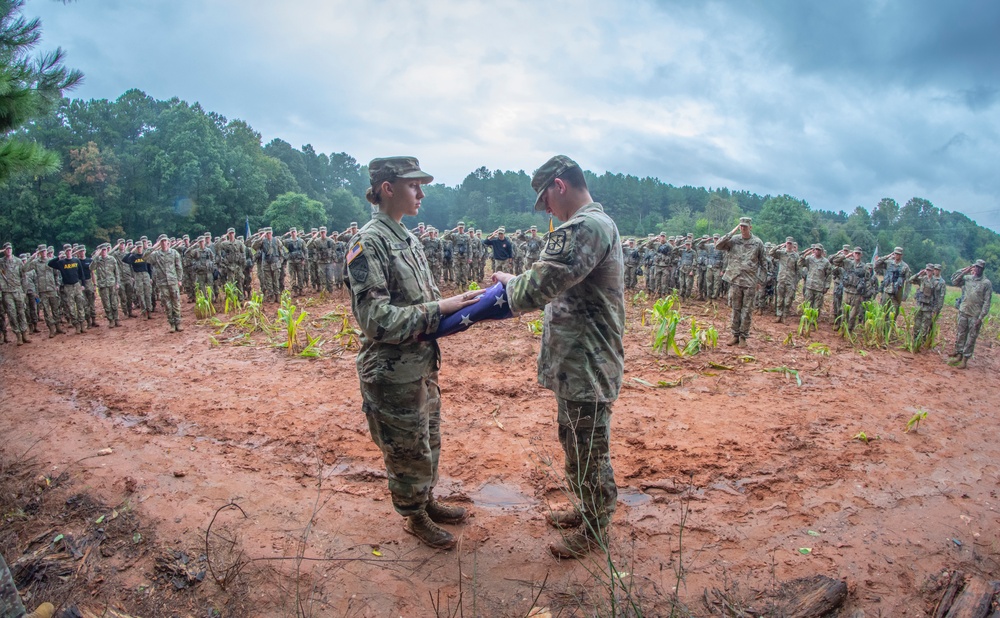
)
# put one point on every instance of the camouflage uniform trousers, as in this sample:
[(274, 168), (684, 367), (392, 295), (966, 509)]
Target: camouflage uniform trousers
[(144, 291), (202, 281), (853, 300), (651, 278), (109, 301), (10, 601), (327, 274), (462, 272), (661, 284), (189, 282), (75, 303), (631, 279), (170, 294), (270, 280), (687, 280), (713, 277), (585, 436), (966, 335), (300, 275), (126, 294), (339, 273), (741, 299), (405, 423), (31, 310), (815, 300), (784, 297), (90, 295), (246, 281), (838, 300), (50, 308), (895, 299), (923, 321), (448, 270), (314, 279), (13, 306)]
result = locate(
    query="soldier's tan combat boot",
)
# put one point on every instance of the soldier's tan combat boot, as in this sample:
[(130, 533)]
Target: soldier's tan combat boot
[(574, 546), (59, 329), (566, 518), (5, 336), (117, 323), (734, 341), (34, 328), (25, 338), (52, 331), (963, 364), (178, 327), (45, 610), (20, 339), (421, 526), (446, 514)]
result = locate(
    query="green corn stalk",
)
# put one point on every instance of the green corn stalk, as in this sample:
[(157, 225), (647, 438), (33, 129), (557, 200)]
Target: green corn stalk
[(640, 298), (291, 320), (252, 319), (701, 338), (914, 422), (665, 319), (348, 336), (820, 349), (203, 307), (809, 320), (314, 346), (233, 296)]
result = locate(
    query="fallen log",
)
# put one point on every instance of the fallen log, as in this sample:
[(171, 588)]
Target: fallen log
[(975, 601), (812, 597)]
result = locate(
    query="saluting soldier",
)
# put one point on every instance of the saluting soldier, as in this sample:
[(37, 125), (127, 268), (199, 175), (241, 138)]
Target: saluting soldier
[(977, 296)]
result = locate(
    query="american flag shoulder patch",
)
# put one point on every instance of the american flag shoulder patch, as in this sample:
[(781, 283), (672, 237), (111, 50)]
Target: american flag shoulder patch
[(355, 251)]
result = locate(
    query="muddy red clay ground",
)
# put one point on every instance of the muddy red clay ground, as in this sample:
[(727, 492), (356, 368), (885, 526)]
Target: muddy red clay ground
[(730, 476)]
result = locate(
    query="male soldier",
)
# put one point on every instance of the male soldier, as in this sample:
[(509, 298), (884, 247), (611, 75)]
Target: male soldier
[(663, 273), (108, 278), (977, 296), (896, 273), (838, 284), (89, 290), (322, 247), (433, 251), (28, 279), (480, 244), (142, 273), (688, 262), (12, 293), (503, 250), (461, 253), (788, 277), (927, 302), (818, 273), (168, 273), (744, 261), (201, 260), (340, 254), (297, 256), (632, 258), (942, 289), (71, 292), (272, 253), (579, 280), (447, 261), (187, 285), (48, 290), (126, 291), (855, 280), (767, 292), (532, 246), (229, 258)]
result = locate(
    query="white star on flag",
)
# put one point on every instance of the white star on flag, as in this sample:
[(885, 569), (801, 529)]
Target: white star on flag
[(466, 321), (501, 301)]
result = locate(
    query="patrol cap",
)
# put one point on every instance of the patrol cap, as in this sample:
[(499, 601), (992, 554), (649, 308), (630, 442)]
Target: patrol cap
[(789, 239), (460, 224), (929, 266), (161, 238), (186, 237), (547, 173), (322, 228), (7, 245), (120, 240), (981, 263), (231, 230), (533, 227), (392, 168), (937, 267), (715, 235), (353, 224), (143, 238), (745, 221), (266, 230), (41, 247), (502, 230), (50, 248), (67, 246), (857, 249), (293, 229), (898, 250), (846, 247), (819, 246)]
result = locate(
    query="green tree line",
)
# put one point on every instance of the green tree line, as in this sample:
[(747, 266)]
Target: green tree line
[(138, 166)]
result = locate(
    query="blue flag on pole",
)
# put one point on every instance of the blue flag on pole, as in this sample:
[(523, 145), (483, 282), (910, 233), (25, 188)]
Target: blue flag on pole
[(492, 305), (247, 235)]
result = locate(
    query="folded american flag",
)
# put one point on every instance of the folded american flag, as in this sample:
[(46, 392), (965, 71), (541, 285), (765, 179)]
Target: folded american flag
[(492, 305)]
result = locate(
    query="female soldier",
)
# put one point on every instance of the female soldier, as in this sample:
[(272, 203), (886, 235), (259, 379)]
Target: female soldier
[(395, 300)]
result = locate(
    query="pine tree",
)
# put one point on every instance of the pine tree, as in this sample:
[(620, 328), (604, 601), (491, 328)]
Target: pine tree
[(29, 87)]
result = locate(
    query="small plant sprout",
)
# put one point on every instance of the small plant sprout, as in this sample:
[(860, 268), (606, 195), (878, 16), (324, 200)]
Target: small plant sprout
[(787, 372), (820, 349), (914, 422), (640, 298), (789, 340), (473, 286), (863, 436), (535, 327)]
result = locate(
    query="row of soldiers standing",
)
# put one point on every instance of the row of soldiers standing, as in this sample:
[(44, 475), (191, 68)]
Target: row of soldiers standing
[(459, 256)]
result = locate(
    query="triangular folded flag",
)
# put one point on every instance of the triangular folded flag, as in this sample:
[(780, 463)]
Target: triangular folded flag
[(492, 305)]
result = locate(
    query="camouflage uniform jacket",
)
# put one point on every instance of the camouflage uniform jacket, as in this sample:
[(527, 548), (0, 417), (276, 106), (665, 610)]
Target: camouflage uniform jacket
[(125, 269), (533, 247), (942, 289), (855, 278), (45, 278), (788, 264), (433, 250), (297, 251), (230, 252), (745, 259), (270, 251), (10, 275), (926, 295), (322, 249), (895, 274), (460, 245), (28, 279), (579, 280), (167, 268), (977, 295), (106, 271), (201, 260), (819, 271), (394, 299)]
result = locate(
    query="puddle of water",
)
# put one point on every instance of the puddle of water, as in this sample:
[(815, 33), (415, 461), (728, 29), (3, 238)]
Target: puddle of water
[(633, 497), (501, 496)]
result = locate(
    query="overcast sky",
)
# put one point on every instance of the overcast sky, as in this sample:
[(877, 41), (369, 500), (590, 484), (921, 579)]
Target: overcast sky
[(838, 103)]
